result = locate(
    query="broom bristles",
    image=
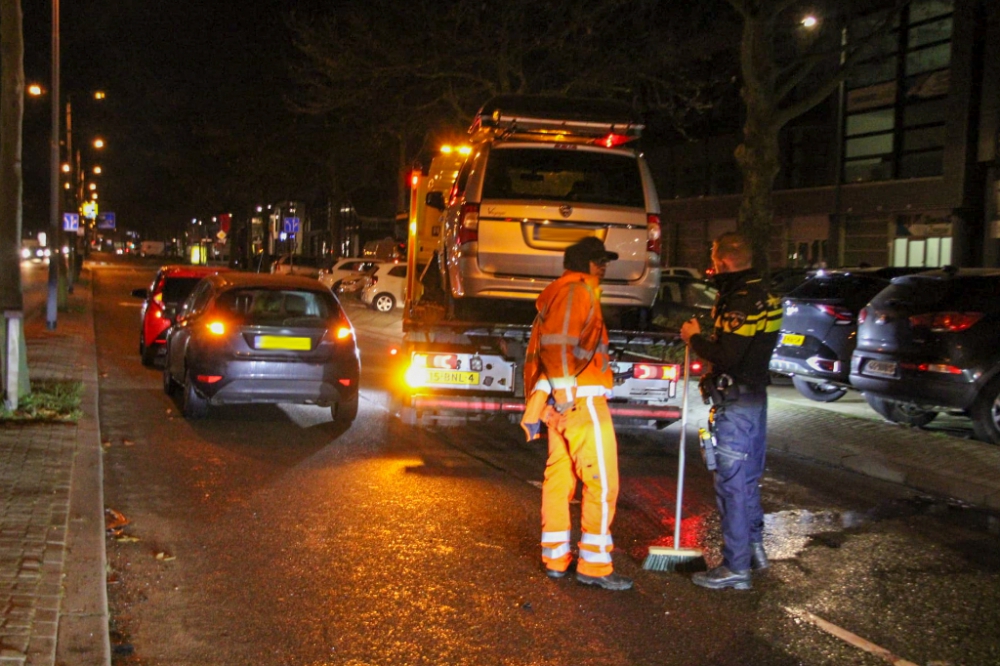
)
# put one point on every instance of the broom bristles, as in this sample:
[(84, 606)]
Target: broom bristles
[(661, 558)]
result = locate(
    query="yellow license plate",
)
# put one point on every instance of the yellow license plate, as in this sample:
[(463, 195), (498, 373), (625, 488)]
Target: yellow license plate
[(452, 377), (280, 342), (792, 340)]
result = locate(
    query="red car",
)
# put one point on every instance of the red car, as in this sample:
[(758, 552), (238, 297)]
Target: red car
[(170, 287)]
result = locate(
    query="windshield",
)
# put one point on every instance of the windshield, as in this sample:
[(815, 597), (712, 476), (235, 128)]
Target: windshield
[(270, 306), (565, 174)]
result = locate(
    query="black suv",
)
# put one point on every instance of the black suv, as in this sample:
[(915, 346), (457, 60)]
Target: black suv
[(819, 328), (931, 343)]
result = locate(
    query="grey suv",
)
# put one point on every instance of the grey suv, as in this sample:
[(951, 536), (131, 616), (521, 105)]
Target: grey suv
[(929, 343)]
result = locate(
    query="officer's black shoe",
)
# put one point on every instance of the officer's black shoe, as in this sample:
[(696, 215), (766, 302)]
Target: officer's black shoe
[(721, 577), (758, 557), (612, 581)]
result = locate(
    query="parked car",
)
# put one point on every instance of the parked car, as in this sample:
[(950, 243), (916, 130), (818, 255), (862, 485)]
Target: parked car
[(342, 269), (168, 290), (929, 343), (819, 328), (300, 264), (541, 177), (386, 287), (258, 338), (784, 280), (680, 298)]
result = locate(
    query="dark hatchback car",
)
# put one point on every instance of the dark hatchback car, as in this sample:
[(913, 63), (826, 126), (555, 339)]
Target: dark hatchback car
[(171, 286), (258, 338), (930, 343), (819, 328)]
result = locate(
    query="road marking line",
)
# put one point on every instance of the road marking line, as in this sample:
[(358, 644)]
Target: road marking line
[(848, 637)]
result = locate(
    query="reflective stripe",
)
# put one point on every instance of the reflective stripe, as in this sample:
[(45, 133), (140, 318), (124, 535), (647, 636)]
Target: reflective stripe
[(581, 353), (569, 310), (602, 468), (596, 539), (558, 339), (595, 557), (562, 383), (592, 391), (556, 553), (556, 537), (543, 385)]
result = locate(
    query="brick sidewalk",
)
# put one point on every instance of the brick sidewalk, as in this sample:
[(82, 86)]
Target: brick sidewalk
[(53, 600)]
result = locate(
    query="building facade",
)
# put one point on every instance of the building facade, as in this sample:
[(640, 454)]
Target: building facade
[(899, 167)]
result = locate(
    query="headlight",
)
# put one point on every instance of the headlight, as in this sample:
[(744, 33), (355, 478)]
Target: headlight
[(26, 253)]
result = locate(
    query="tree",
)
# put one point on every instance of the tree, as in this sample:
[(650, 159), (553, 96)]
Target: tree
[(413, 74), (11, 117), (782, 78)]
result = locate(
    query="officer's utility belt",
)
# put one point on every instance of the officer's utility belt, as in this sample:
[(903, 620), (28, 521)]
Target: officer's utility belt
[(711, 450), (722, 389)]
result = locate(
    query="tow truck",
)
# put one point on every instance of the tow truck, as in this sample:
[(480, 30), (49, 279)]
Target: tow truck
[(465, 368)]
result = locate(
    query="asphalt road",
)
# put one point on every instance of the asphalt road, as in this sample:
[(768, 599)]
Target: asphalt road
[(267, 535)]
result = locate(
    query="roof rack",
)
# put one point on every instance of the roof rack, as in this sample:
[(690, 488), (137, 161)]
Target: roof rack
[(527, 116)]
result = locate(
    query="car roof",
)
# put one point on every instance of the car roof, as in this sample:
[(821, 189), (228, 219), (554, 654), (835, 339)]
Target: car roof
[(953, 272), (239, 280), (185, 270)]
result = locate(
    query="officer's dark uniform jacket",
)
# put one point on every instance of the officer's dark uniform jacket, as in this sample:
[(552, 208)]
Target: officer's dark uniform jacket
[(747, 321)]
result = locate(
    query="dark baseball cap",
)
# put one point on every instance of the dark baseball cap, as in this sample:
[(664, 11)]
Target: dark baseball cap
[(579, 255)]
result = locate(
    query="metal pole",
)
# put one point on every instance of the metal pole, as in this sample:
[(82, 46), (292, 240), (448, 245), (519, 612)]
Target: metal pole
[(54, 249)]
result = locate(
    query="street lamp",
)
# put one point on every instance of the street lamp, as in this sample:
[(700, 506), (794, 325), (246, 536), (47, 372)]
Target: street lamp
[(55, 258)]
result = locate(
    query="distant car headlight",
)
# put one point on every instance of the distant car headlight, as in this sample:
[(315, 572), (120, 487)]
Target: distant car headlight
[(26, 253), (45, 253)]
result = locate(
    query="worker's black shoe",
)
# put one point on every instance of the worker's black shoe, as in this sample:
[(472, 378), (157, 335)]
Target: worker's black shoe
[(552, 573), (612, 581), (721, 577), (758, 557)]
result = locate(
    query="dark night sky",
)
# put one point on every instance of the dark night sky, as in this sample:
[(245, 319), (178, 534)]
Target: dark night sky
[(171, 69)]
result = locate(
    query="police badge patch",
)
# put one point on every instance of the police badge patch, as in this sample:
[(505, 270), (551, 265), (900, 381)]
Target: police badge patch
[(734, 320)]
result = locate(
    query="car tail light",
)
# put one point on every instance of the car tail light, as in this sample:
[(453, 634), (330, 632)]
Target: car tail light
[(863, 315), (841, 316), (216, 328), (653, 233), (655, 371), (468, 224), (208, 379), (696, 367), (613, 140), (945, 322), (940, 368), (340, 333)]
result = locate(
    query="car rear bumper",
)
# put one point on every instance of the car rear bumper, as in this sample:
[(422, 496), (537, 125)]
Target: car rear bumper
[(274, 382), (477, 284), (923, 388)]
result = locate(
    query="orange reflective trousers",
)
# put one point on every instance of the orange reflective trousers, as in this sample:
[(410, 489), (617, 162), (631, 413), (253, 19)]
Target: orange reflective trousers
[(582, 446)]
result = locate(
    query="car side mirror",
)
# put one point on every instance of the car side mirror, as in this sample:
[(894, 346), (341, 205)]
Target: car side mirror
[(435, 200), (141, 293)]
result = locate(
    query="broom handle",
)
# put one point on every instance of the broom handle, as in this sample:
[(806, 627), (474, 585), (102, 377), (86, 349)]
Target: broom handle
[(680, 457)]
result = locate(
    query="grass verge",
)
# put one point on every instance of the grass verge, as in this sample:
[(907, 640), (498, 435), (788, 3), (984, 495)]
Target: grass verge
[(49, 401)]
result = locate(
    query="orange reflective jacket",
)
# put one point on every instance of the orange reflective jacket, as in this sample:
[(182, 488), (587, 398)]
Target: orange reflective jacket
[(569, 342)]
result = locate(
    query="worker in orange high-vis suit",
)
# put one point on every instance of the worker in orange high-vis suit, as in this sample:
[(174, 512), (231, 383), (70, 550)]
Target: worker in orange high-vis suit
[(567, 357)]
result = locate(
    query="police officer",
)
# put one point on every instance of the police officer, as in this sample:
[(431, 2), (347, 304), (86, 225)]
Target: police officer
[(567, 360), (747, 320)]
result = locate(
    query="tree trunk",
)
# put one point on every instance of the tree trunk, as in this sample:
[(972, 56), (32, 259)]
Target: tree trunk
[(11, 115), (759, 162)]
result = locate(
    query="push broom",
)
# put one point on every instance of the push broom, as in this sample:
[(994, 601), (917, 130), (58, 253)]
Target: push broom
[(661, 558)]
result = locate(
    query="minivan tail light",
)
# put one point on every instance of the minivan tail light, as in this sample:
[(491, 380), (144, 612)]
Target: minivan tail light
[(863, 315), (653, 233), (841, 316), (468, 224), (945, 322)]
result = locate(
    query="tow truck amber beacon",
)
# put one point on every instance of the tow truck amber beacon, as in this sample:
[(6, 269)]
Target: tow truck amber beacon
[(489, 223)]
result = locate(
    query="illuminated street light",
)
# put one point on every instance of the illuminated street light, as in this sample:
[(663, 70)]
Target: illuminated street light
[(98, 143), (66, 168), (810, 21), (99, 94), (94, 196), (97, 170), (35, 90)]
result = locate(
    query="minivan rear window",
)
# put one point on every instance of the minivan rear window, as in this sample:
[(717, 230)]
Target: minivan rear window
[(571, 175)]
